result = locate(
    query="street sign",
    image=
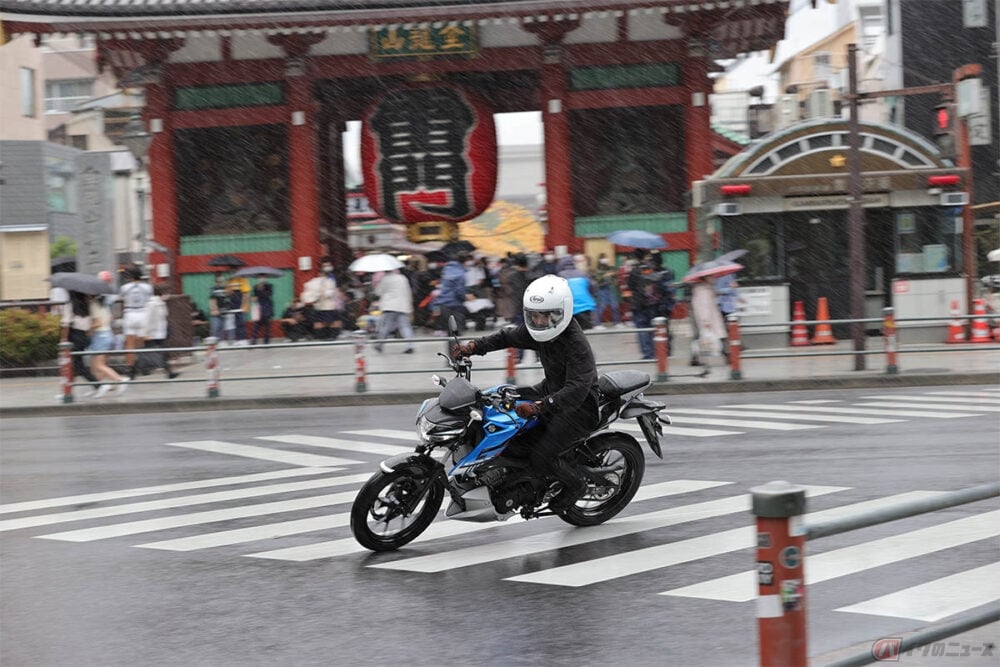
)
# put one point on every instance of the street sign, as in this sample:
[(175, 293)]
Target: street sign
[(979, 123), (974, 14)]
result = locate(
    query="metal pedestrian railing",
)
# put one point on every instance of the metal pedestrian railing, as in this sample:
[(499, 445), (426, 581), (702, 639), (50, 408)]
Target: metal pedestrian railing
[(781, 603)]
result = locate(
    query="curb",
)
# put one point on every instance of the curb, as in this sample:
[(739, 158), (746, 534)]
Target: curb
[(415, 397)]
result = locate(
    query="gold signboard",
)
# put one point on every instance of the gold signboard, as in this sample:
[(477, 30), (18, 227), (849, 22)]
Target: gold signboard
[(424, 41)]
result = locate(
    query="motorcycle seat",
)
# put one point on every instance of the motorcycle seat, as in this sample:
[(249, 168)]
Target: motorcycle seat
[(618, 383)]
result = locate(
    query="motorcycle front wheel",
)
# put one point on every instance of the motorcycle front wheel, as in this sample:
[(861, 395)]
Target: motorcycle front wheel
[(393, 508), (621, 462)]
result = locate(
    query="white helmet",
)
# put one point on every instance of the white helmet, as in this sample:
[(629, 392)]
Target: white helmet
[(548, 307)]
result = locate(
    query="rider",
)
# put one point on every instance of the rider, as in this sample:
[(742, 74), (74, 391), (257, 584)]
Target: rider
[(565, 401)]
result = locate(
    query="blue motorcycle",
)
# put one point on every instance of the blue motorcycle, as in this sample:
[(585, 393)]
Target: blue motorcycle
[(463, 435)]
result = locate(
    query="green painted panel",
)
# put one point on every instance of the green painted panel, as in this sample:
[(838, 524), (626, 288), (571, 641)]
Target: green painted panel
[(678, 260), (199, 286), (658, 223), (229, 244), (236, 95), (624, 76)]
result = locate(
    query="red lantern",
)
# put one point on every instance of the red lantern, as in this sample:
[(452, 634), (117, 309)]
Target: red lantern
[(429, 153)]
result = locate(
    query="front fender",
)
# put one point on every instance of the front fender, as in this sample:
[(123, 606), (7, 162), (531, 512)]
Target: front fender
[(418, 465)]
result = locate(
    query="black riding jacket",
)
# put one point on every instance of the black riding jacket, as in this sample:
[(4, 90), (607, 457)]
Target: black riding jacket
[(567, 360)]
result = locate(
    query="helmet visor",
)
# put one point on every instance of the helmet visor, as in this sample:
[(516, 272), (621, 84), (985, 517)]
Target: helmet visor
[(542, 320)]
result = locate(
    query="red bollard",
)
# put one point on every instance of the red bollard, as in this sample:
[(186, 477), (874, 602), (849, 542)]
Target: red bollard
[(359, 363), (212, 365), (781, 599), (661, 339), (891, 342), (511, 365), (66, 371), (735, 347)]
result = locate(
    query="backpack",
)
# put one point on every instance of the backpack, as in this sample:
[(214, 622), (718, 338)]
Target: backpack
[(660, 294)]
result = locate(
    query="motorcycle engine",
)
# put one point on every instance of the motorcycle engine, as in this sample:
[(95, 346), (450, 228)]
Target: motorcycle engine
[(516, 493)]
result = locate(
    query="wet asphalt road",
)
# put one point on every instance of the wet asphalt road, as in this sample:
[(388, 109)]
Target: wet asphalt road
[(81, 599)]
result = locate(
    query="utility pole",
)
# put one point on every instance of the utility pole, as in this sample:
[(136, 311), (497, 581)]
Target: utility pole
[(855, 213)]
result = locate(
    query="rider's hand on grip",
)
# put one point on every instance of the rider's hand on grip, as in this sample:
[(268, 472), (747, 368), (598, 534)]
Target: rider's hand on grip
[(463, 350), (527, 410)]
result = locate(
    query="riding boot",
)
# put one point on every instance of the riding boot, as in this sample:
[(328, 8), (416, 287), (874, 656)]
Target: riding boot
[(573, 482)]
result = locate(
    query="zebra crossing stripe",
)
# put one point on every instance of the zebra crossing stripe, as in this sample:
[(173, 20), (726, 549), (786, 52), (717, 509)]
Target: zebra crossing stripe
[(977, 403), (780, 415), (249, 451), (742, 587), (390, 434), (676, 430), (664, 555), (744, 423), (568, 537), (337, 443), (170, 503), (975, 394), (937, 599), (196, 518), (931, 406), (449, 527), (857, 411), (31, 505)]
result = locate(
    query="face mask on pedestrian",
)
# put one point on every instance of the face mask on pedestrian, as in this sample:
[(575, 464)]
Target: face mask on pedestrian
[(328, 268)]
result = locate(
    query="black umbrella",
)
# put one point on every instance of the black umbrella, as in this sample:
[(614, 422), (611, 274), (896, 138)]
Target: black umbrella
[(453, 248), (258, 271), (436, 256), (63, 264), (81, 282), (226, 260)]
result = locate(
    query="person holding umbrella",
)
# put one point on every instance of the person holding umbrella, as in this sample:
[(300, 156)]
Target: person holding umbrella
[(263, 303), (101, 341), (711, 330), (76, 329)]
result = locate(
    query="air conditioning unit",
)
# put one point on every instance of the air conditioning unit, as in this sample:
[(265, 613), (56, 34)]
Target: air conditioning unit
[(820, 103), (954, 199), (786, 112), (727, 209)]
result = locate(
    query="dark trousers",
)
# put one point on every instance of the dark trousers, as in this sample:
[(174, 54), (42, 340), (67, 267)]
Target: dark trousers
[(554, 435), (148, 362), (261, 329), (80, 341)]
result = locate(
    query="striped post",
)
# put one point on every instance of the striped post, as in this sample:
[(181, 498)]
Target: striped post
[(511, 365), (360, 385), (66, 371), (891, 343), (735, 347), (781, 599), (212, 365), (660, 341)]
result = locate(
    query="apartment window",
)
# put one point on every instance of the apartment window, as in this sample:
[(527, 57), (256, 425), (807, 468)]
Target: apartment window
[(62, 96), (78, 141), (822, 69), (872, 27), (29, 105)]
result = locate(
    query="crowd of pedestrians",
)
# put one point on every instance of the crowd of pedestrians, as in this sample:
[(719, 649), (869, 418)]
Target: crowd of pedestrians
[(422, 295)]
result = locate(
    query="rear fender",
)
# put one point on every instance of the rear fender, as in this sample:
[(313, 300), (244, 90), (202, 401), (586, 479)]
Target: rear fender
[(646, 412)]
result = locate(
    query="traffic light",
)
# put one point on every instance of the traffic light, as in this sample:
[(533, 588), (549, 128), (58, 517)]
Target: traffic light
[(943, 129)]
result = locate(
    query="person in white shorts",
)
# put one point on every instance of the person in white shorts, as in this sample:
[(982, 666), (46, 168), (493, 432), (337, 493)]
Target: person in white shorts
[(133, 296)]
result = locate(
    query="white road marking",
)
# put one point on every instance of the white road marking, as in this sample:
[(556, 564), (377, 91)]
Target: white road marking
[(780, 415), (977, 403), (170, 503), (849, 560), (391, 434), (195, 518), (337, 443), (252, 534), (937, 599), (249, 451), (976, 394), (744, 423), (856, 411), (675, 430), (450, 527), (818, 401), (664, 555), (568, 537), (931, 406), (162, 488)]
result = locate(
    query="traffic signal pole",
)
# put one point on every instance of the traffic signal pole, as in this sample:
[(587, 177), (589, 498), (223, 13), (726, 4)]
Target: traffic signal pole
[(856, 222)]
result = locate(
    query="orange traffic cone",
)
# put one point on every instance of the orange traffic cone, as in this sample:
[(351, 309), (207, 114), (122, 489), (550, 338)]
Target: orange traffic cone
[(980, 329), (824, 333), (800, 333), (956, 330)]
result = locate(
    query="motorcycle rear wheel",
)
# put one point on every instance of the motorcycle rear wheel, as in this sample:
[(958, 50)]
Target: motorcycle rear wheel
[(388, 514), (627, 465)]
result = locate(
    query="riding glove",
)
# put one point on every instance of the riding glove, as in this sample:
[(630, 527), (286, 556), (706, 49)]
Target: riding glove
[(527, 410), (464, 350)]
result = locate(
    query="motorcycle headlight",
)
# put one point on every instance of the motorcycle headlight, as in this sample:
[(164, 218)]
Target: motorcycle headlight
[(431, 432)]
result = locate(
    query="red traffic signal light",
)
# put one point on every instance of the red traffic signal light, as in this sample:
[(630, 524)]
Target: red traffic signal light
[(942, 119)]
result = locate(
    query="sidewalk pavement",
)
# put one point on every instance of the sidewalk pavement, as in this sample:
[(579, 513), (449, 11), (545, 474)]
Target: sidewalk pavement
[(324, 374)]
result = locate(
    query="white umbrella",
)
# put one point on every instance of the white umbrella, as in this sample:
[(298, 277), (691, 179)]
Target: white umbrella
[(375, 263), (994, 255), (714, 268)]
